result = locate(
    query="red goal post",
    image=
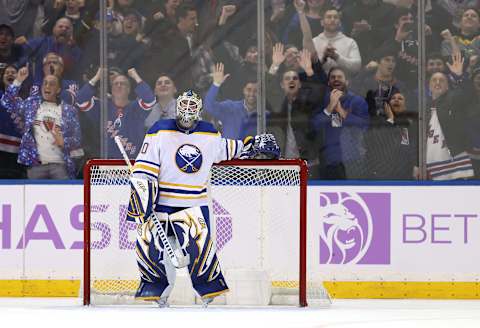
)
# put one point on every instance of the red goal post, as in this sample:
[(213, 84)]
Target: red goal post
[(280, 177)]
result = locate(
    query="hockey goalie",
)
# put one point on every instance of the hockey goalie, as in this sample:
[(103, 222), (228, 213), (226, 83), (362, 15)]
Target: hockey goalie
[(169, 200)]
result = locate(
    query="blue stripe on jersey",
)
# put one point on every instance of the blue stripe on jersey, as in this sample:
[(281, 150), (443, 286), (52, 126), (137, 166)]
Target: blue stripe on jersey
[(454, 159), (185, 192), (235, 148), (457, 169), (226, 149), (145, 172), (148, 162)]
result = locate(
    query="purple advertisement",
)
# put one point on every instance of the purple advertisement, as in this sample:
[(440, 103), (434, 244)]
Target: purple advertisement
[(355, 228)]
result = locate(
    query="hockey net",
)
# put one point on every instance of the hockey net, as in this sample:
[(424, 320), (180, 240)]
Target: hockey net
[(258, 220)]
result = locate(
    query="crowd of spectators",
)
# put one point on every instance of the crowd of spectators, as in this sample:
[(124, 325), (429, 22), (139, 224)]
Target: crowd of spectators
[(341, 79)]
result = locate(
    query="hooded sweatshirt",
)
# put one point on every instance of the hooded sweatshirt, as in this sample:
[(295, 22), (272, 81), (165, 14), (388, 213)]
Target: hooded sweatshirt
[(346, 48)]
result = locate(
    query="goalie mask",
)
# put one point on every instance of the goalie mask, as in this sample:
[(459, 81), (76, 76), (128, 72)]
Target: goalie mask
[(189, 108)]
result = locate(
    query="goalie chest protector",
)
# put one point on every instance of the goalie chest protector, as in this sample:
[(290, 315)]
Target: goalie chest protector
[(182, 161)]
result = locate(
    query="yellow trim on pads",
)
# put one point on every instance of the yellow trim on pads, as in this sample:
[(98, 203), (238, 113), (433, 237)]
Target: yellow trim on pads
[(403, 289), (39, 288), (149, 298), (215, 294)]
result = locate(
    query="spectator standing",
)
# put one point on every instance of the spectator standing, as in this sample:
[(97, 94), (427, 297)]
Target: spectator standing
[(379, 83), (284, 58), (447, 137), (71, 9), (279, 13), (435, 63), (343, 120), (467, 40), (166, 105), (235, 30), (237, 22), (176, 59), (405, 40), (60, 42), (456, 8), (25, 17), (404, 37), (132, 26), (392, 141), (10, 53), (238, 117), (119, 9), (11, 130), (124, 50), (473, 120), (53, 65), (161, 17), (292, 124), (332, 47), (202, 69), (52, 138), (125, 118), (242, 71), (290, 60), (314, 11), (367, 22)]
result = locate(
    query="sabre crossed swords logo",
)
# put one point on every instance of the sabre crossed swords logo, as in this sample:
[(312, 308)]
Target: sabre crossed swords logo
[(189, 154)]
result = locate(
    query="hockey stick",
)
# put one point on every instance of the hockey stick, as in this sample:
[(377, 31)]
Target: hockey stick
[(178, 260)]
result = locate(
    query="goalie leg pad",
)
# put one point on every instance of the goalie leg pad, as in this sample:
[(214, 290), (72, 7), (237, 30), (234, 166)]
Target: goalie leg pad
[(204, 268), (157, 274), (149, 291)]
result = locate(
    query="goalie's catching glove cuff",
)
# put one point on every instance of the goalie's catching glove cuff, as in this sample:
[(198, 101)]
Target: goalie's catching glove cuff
[(248, 150)]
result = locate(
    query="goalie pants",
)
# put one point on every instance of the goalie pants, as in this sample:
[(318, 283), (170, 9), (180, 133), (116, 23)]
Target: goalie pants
[(157, 274)]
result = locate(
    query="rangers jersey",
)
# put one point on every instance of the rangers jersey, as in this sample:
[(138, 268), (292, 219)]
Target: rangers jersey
[(181, 161)]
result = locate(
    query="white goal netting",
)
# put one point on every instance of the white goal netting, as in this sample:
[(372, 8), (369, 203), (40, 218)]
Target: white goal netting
[(256, 221)]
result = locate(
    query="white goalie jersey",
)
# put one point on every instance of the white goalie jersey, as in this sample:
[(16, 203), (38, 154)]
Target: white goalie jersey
[(181, 162)]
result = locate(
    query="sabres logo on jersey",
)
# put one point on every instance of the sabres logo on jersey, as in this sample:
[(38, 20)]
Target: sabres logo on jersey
[(189, 158)]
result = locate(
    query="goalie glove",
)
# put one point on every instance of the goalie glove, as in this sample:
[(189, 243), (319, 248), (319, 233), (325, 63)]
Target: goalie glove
[(261, 146), (143, 195)]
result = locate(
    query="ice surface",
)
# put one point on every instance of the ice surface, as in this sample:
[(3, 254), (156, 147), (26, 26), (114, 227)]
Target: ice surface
[(66, 313)]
